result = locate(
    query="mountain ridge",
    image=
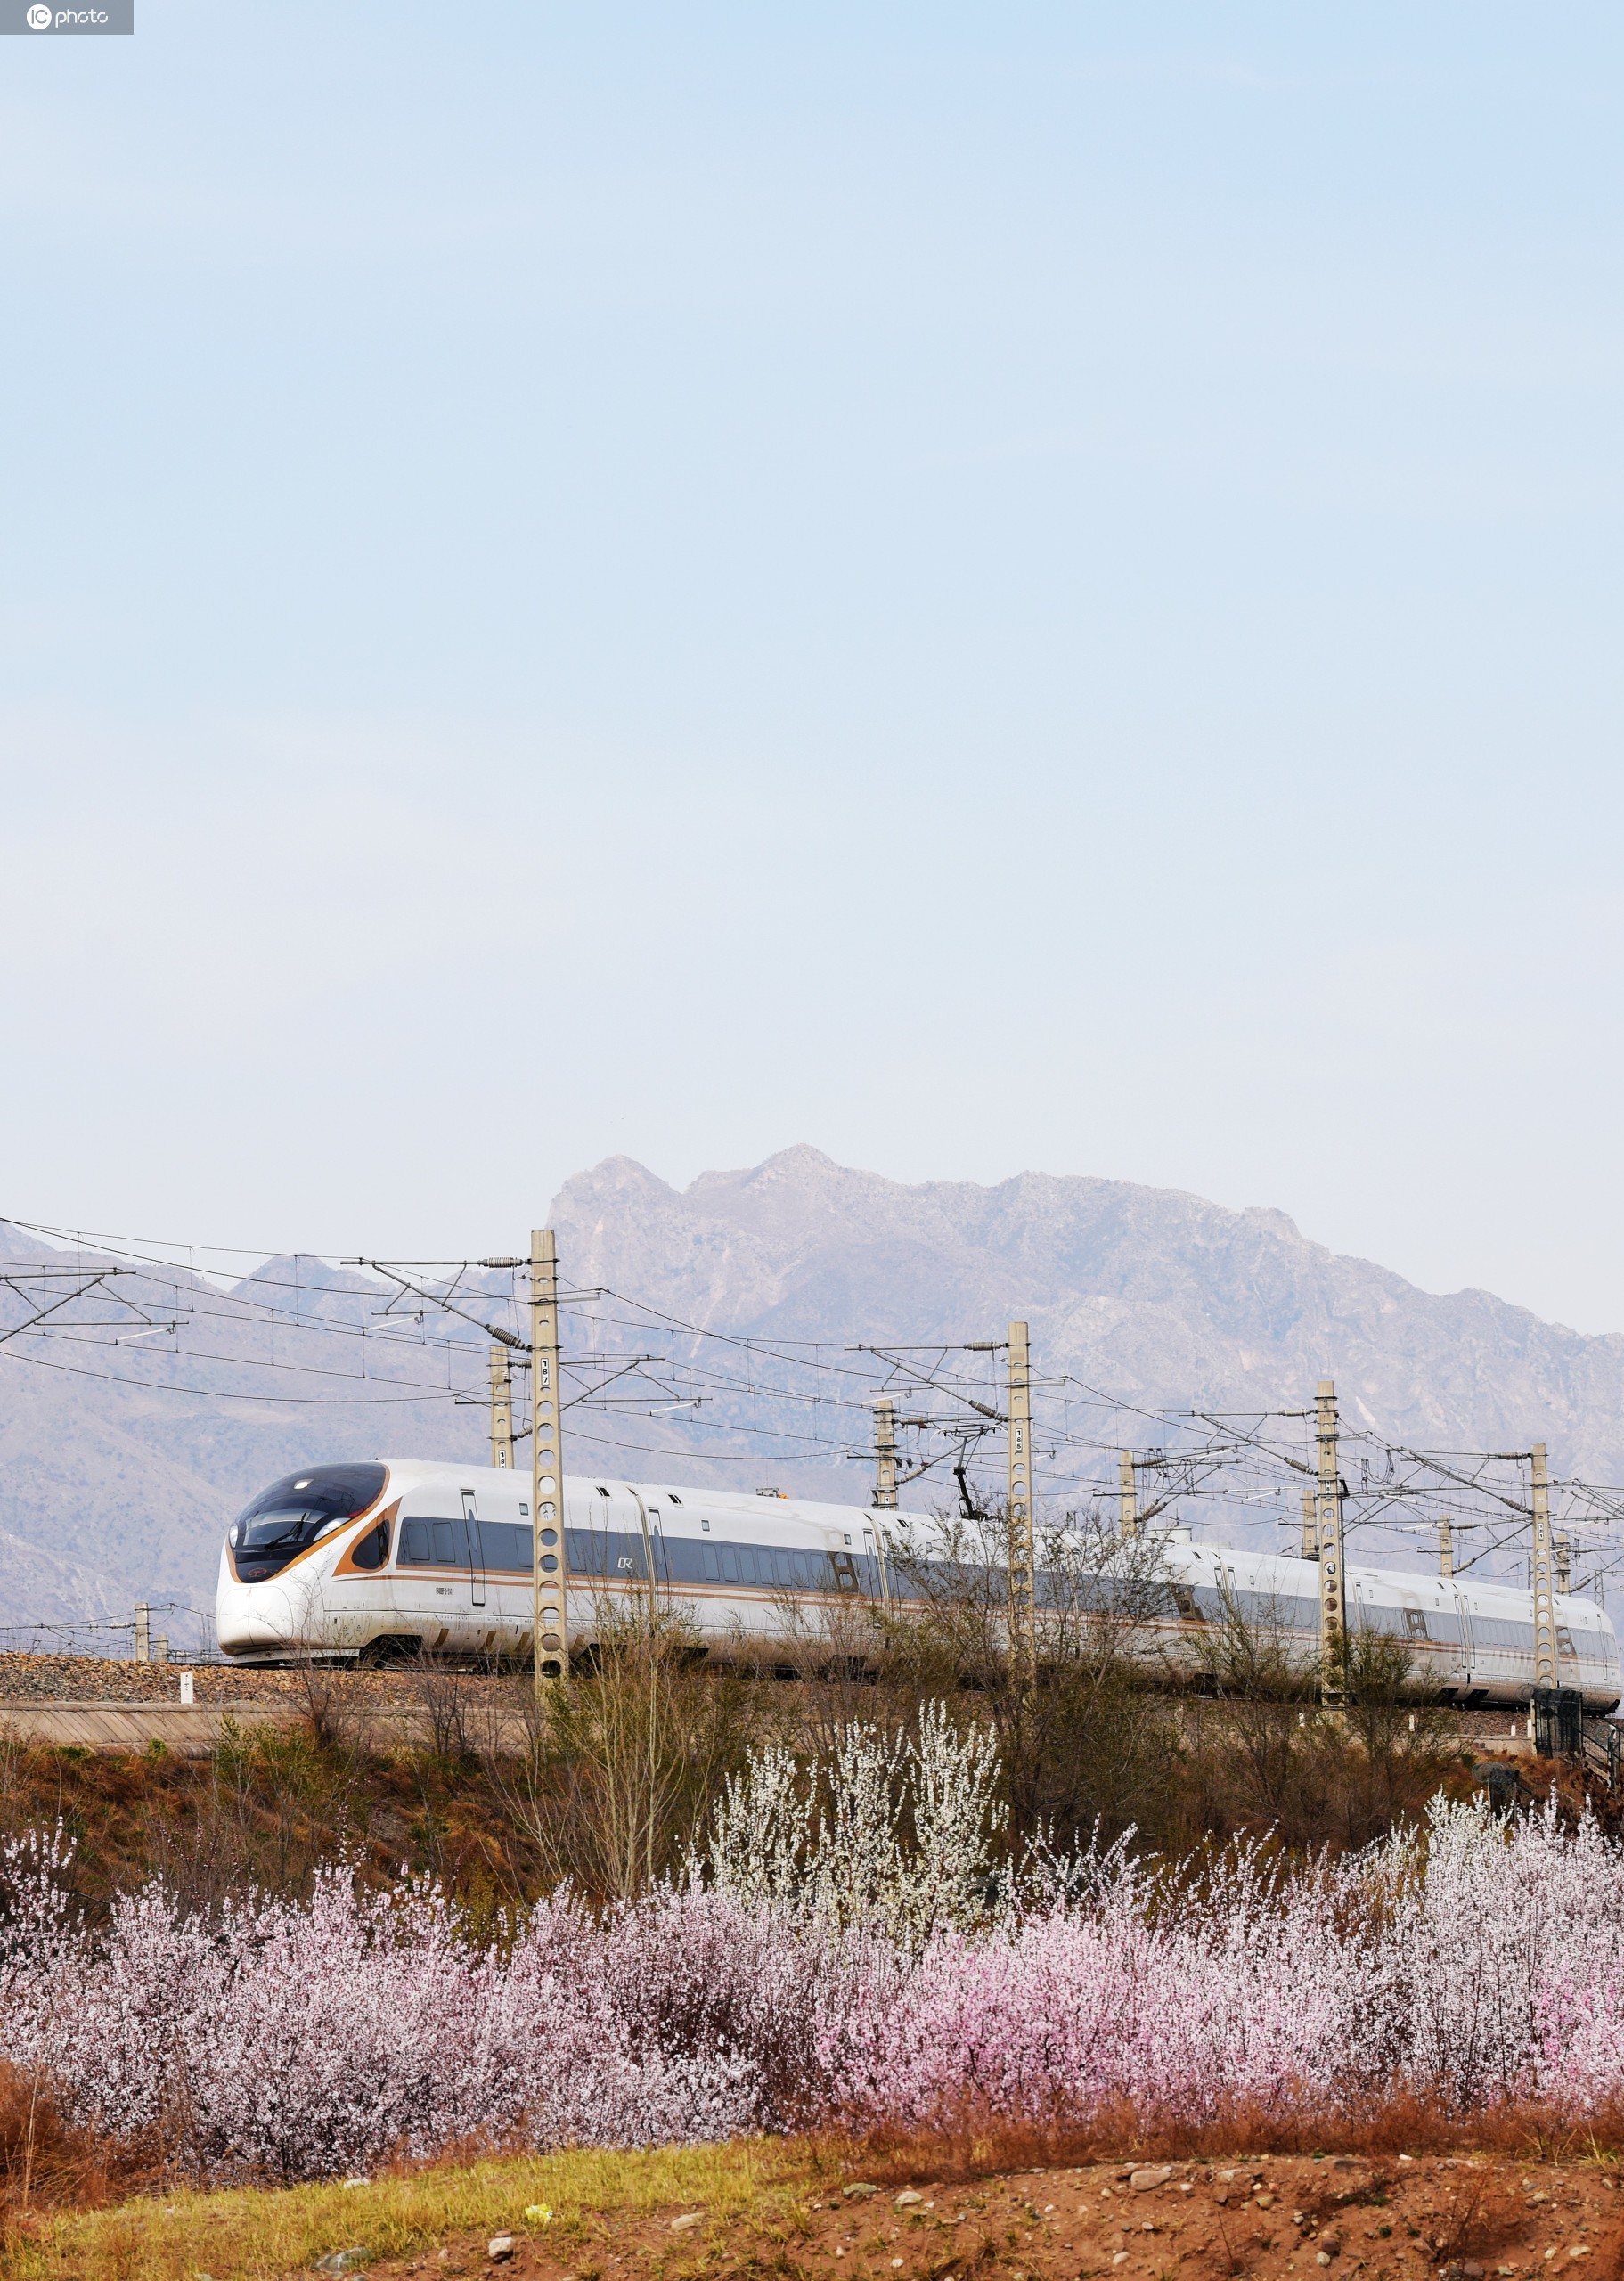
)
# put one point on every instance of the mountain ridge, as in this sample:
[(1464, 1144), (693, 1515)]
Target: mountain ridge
[(1180, 1297)]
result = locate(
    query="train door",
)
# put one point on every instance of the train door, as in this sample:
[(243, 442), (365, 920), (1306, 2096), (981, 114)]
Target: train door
[(475, 1551), (874, 1554), (659, 1574), (1468, 1656), (649, 1522)]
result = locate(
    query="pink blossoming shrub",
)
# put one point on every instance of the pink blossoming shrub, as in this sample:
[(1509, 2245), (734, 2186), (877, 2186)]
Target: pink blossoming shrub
[(1480, 1964)]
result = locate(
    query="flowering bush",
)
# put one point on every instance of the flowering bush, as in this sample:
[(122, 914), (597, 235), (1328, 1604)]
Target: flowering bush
[(905, 1841), (1477, 1962)]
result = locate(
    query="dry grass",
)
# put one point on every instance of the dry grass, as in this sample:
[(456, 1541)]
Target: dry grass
[(976, 2144), (48, 2163), (259, 2233)]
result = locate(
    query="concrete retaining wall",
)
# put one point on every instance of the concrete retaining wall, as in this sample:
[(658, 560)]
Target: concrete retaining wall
[(190, 1729)]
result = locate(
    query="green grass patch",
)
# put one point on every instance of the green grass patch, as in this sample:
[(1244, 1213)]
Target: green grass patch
[(263, 2234)]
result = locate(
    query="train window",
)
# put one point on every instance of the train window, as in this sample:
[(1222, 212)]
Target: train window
[(1415, 1623), (451, 1543), (802, 1568), (507, 1547), (373, 1549), (730, 1563), (781, 1568), (1565, 1641), (712, 1566), (415, 1551), (324, 1492), (293, 1512)]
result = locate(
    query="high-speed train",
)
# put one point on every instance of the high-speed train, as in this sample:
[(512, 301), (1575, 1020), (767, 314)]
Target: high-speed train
[(396, 1557)]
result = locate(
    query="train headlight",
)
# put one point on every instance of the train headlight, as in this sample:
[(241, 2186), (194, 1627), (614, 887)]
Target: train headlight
[(235, 1533)]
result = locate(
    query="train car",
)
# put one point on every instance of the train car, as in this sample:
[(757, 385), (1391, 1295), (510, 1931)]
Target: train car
[(397, 1557), (1471, 1642)]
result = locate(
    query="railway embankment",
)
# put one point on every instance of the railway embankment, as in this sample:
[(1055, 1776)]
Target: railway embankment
[(96, 1702), (26, 1679)]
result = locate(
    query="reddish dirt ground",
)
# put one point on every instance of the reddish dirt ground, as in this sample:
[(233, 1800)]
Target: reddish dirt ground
[(1456, 2218)]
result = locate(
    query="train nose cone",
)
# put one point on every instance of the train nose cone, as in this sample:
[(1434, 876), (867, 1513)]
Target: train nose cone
[(271, 1626)]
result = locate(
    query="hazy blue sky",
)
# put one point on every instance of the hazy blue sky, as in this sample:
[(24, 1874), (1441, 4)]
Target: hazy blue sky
[(981, 586)]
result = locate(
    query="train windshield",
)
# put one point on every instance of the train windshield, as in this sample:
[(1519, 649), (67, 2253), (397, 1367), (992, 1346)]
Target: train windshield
[(292, 1513)]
